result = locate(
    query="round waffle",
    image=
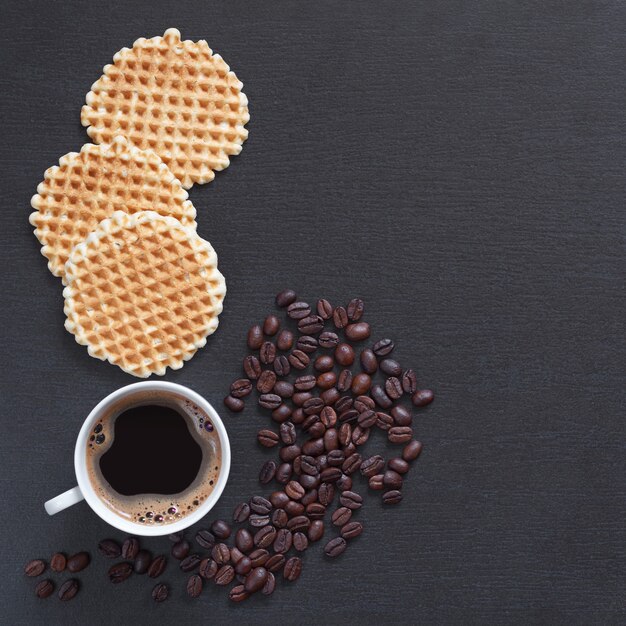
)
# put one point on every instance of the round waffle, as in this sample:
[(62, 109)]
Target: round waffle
[(175, 97), (143, 292), (88, 186)]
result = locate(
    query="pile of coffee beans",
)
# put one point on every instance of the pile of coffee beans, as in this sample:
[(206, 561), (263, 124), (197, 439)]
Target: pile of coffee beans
[(59, 563)]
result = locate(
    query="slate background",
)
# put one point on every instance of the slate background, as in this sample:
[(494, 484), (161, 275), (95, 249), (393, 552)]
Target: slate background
[(459, 165)]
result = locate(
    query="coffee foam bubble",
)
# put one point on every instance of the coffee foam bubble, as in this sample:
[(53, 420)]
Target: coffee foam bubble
[(155, 509)]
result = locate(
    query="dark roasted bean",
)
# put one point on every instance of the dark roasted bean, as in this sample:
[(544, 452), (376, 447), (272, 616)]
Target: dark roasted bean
[(326, 493), (264, 537), (260, 505), (355, 309), (351, 499), (259, 557), (270, 401), (311, 325), (236, 555), (344, 381), (343, 404), (180, 550), (351, 530), (289, 453), (267, 438), (392, 497), (44, 589), (422, 397), (78, 562), (283, 389), (194, 586), (328, 339), (383, 347), (283, 473), (267, 473), (234, 404), (307, 344), (358, 331), (238, 594), (367, 419), (384, 421), (267, 353), (324, 309), (224, 575), (305, 383), (109, 549), (328, 417), (376, 482), (243, 566), (255, 580), (220, 553), (364, 403), (369, 363), (330, 396), (315, 510), (294, 490), (300, 542), (279, 518), (255, 337), (340, 317), (208, 568), (160, 592), (361, 383), (271, 325), (120, 572), (285, 298), (298, 310), (324, 363), (298, 522), (344, 483), (282, 413), (309, 497), (33, 568), (392, 480), (335, 547), (258, 521), (331, 440), (351, 464), (68, 590), (244, 540), (400, 434), (313, 406), (279, 499), (266, 381), (282, 366), (252, 367), (360, 435), (298, 359), (393, 387), (293, 569), (401, 416), (330, 474), (142, 562), (240, 388), (58, 562), (283, 541), (284, 341), (398, 465), (351, 415), (190, 563), (372, 465), (242, 510), (345, 434), (344, 354), (412, 450), (391, 367), (309, 482), (316, 530), (380, 397), (308, 465), (326, 380), (288, 433), (130, 548), (275, 562)]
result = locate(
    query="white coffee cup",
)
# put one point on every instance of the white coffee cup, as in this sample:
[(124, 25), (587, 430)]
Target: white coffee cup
[(85, 490)]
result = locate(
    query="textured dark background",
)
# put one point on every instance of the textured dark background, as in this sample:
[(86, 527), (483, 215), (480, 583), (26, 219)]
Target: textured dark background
[(459, 165)]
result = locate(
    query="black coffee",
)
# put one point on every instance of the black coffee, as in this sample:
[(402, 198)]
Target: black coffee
[(152, 452)]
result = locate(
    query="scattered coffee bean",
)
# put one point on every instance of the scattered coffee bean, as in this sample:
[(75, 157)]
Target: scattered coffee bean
[(238, 594), (409, 381), (351, 500), (260, 505), (157, 566), (255, 580), (401, 416), (207, 569), (271, 325), (275, 562), (300, 541), (316, 530), (298, 359), (221, 529), (120, 572), (180, 550), (307, 344), (340, 317), (130, 548), (142, 562), (252, 367), (324, 309), (78, 562), (160, 592), (328, 339), (298, 310), (344, 381), (369, 363), (283, 389), (380, 397), (34, 568), (326, 380), (392, 480), (267, 438), (305, 383), (341, 516), (270, 585), (255, 337), (384, 421), (220, 553), (361, 383), (324, 363), (311, 325), (393, 387), (267, 353), (344, 354), (109, 548), (285, 298), (44, 589), (358, 331), (422, 397), (58, 562), (335, 547), (400, 434), (367, 418), (391, 367), (284, 341), (194, 586), (293, 569), (205, 539), (242, 510), (372, 465), (351, 530), (355, 309), (282, 366), (412, 450), (270, 400), (243, 566), (283, 473), (190, 563), (266, 475), (392, 497), (234, 404), (383, 347), (240, 388), (376, 482), (264, 537), (68, 590), (398, 465)]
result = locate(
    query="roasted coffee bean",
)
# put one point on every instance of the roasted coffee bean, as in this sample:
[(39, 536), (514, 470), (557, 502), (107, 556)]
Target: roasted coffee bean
[(355, 309), (300, 542), (350, 448), (383, 347), (298, 359), (351, 415), (36, 567), (293, 569), (324, 363), (285, 298), (309, 482), (344, 382), (236, 555), (270, 585), (270, 401), (234, 404), (358, 331), (266, 381), (109, 549), (281, 413), (316, 530), (380, 397), (194, 586), (298, 310), (238, 594), (351, 464), (391, 367), (58, 562), (331, 440), (328, 339), (279, 518), (279, 499), (409, 381), (384, 421), (307, 343), (282, 366), (412, 450), (330, 396), (343, 404), (393, 387), (340, 317), (372, 465), (255, 580), (392, 480), (160, 592), (294, 490), (130, 548), (255, 337), (367, 419), (242, 510), (220, 553), (392, 497), (205, 539), (271, 325), (244, 540), (275, 563), (313, 406), (315, 510), (361, 383), (190, 563), (283, 541), (330, 474), (401, 416), (266, 475), (422, 397), (310, 421), (221, 529), (364, 403), (283, 389), (400, 434), (311, 325), (44, 589), (259, 557), (326, 380), (328, 417), (142, 562), (258, 521), (369, 363), (284, 341), (376, 482), (326, 493), (298, 522), (351, 499), (345, 434), (224, 575), (68, 590), (267, 353), (398, 465), (305, 383), (243, 566), (157, 566), (283, 473), (208, 568), (344, 354), (264, 537), (289, 453), (335, 547), (288, 433), (252, 367), (260, 505), (318, 429), (180, 550), (360, 435), (120, 572), (308, 465), (351, 530), (267, 438), (78, 562), (324, 309), (240, 388), (341, 516)]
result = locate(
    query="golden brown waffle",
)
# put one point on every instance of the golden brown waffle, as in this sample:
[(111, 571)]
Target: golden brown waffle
[(88, 186), (175, 97), (143, 292)]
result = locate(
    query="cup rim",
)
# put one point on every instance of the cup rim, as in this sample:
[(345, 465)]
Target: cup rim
[(96, 504)]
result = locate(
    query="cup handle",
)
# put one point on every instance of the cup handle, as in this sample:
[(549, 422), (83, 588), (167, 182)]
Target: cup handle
[(64, 500)]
